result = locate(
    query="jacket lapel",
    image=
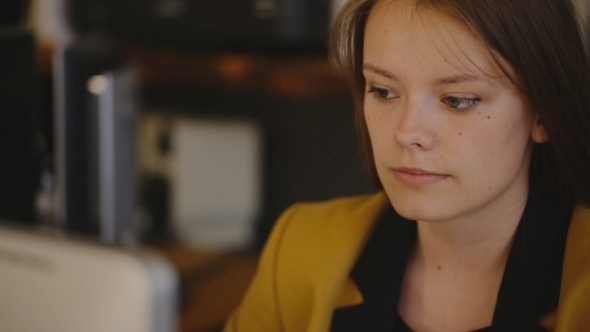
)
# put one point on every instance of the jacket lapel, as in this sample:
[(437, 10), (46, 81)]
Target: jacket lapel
[(531, 282), (378, 274), (351, 295), (326, 241)]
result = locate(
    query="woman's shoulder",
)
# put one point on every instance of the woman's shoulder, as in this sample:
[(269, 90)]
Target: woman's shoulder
[(574, 300), (577, 250), (305, 265)]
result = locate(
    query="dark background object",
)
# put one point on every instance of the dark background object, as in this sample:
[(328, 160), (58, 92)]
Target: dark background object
[(12, 12), (81, 60), (156, 199), (97, 159), (20, 166), (299, 26)]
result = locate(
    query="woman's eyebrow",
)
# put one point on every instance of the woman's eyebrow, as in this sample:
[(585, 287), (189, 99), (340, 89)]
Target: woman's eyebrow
[(454, 79), (460, 78), (379, 71)]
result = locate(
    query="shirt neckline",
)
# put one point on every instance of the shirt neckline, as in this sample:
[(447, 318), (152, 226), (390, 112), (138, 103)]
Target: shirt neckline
[(529, 288)]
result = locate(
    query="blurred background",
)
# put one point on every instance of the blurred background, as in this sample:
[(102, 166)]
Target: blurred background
[(184, 126), (225, 110)]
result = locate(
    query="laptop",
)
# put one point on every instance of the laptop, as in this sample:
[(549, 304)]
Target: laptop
[(54, 283)]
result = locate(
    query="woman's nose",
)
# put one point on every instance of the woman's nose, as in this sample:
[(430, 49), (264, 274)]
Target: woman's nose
[(412, 131)]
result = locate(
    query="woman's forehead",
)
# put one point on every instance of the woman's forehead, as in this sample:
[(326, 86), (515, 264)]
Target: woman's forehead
[(400, 33)]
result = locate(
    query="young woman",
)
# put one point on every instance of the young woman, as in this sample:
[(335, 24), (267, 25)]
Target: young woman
[(476, 119)]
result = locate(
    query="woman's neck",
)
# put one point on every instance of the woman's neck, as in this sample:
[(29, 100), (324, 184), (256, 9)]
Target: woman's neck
[(479, 240), (455, 271), (477, 243)]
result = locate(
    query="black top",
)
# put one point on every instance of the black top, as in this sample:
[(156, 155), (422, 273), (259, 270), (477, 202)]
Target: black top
[(530, 284)]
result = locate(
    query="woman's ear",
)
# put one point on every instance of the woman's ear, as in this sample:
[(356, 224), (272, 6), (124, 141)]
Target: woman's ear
[(539, 134)]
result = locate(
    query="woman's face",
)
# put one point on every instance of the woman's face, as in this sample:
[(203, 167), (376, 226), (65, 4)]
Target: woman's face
[(451, 136)]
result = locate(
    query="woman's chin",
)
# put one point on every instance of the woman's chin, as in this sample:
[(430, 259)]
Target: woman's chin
[(413, 209)]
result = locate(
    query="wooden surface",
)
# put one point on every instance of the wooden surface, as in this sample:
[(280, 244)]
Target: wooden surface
[(213, 284)]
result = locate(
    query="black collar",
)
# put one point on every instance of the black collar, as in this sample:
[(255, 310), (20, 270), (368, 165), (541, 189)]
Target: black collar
[(530, 285)]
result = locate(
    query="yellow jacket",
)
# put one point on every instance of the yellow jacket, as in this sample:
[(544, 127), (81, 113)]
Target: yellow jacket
[(303, 274)]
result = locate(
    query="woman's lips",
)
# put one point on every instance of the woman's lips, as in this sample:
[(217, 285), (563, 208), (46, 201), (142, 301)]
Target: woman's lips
[(417, 177)]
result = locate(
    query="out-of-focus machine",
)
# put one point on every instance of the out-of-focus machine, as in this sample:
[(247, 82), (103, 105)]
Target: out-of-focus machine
[(58, 284)]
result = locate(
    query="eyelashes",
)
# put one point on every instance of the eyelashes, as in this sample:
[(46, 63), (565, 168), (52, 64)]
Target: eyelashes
[(460, 103), (455, 103), (381, 93)]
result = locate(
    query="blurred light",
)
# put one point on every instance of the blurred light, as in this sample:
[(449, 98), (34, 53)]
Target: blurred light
[(170, 8), (97, 84), (264, 9)]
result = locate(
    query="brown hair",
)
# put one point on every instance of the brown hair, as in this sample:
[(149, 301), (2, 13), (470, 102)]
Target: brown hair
[(541, 40)]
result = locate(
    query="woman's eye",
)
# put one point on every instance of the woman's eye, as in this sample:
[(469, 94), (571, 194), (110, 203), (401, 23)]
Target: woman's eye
[(460, 103), (382, 93)]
